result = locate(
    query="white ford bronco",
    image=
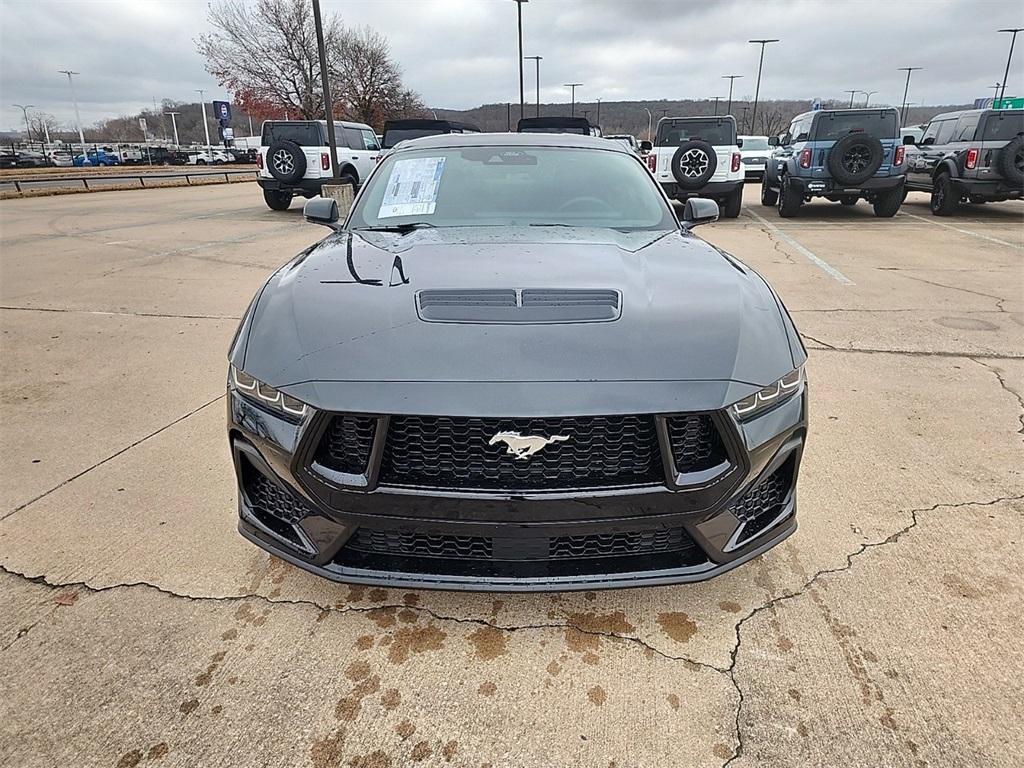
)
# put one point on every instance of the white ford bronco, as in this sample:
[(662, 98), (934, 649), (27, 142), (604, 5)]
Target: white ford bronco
[(699, 157), (295, 158)]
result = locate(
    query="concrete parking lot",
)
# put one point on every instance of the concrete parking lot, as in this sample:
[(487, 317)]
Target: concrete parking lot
[(137, 627)]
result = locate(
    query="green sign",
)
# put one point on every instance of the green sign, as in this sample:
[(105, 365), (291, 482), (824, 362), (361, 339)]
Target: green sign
[(1014, 102)]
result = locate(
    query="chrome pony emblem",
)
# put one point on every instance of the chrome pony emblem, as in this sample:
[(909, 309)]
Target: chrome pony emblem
[(524, 446)]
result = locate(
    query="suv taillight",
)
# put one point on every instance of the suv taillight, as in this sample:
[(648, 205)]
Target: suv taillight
[(805, 158), (972, 159), (325, 161), (652, 162), (735, 161), (259, 161), (897, 159)]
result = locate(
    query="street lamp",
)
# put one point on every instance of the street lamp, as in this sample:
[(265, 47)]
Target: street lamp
[(906, 88), (206, 128), (174, 125), (24, 111), (585, 113), (852, 92), (717, 99), (743, 120), (74, 98), (1006, 75), (757, 89), (650, 120), (519, 18), (598, 113), (537, 60), (573, 86), (995, 94), (868, 95), (731, 79)]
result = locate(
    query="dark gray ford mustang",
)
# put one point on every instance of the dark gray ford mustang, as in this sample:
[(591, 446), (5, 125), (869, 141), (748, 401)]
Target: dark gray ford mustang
[(511, 368)]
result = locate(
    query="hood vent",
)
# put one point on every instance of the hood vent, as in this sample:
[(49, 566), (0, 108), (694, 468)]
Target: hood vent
[(527, 305)]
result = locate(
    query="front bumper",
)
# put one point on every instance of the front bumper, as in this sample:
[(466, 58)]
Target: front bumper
[(519, 528), (713, 189), (753, 169), (823, 187)]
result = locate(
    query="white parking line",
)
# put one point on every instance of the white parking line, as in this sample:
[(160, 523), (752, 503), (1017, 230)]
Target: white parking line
[(963, 231), (834, 273)]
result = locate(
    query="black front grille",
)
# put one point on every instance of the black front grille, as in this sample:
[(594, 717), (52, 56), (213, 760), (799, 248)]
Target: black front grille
[(696, 443), (420, 544), (763, 503), (627, 543), (268, 499), (455, 453), (346, 444)]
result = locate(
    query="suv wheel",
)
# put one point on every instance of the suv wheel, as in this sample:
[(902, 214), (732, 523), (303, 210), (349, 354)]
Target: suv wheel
[(276, 200), (945, 197), (790, 199), (693, 164), (1011, 162), (286, 161), (887, 203), (733, 204), (769, 196), (855, 158)]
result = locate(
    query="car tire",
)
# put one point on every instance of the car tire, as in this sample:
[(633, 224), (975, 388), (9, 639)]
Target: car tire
[(790, 199), (848, 200), (769, 196), (855, 158), (286, 161), (945, 197), (348, 178), (200, 162), (693, 164), (1011, 162), (277, 200), (887, 204), (733, 205)]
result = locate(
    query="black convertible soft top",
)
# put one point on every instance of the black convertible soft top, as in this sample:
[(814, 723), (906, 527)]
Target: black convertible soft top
[(578, 125), (416, 127)]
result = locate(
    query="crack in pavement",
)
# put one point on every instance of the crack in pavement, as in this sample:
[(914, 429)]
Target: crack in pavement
[(864, 547), (112, 456), (119, 313), (918, 353), (999, 299), (1006, 387)]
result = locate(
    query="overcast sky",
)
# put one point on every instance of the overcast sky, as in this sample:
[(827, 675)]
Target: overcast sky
[(462, 53)]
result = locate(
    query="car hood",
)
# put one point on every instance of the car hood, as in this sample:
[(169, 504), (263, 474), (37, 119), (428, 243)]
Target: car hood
[(344, 312)]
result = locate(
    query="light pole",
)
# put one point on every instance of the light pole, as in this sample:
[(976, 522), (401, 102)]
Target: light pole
[(537, 60), (906, 89), (868, 95), (519, 18), (650, 120), (717, 99), (995, 94), (206, 128), (74, 99), (174, 125), (1006, 74), (743, 120), (598, 113), (325, 84), (731, 79), (24, 111), (585, 113), (852, 93), (573, 86), (757, 88)]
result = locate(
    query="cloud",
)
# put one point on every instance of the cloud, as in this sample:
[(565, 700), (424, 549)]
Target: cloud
[(462, 53)]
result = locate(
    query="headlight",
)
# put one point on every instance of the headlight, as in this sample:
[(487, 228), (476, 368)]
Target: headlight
[(754, 405), (266, 395)]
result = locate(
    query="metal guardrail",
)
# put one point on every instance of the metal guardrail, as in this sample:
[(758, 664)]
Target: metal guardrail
[(99, 180)]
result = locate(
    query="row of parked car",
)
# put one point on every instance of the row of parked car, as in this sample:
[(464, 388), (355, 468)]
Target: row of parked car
[(843, 155), (110, 156)]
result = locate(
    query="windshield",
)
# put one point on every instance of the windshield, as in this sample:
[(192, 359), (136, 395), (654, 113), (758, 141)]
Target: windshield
[(512, 186), (672, 133), (832, 126), (1003, 126), (755, 142)]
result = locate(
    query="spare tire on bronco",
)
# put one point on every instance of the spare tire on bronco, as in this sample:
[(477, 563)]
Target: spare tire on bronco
[(694, 163), (1011, 162), (286, 161), (855, 158)]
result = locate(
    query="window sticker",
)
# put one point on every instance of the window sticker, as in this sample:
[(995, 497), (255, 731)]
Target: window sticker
[(412, 188)]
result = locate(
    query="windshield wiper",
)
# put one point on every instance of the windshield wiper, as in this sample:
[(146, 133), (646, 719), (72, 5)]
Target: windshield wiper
[(400, 228)]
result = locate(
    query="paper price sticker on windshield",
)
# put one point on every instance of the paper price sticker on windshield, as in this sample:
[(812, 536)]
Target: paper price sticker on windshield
[(412, 188)]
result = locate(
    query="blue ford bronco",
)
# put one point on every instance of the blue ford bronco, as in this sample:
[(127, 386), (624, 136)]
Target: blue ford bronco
[(843, 155)]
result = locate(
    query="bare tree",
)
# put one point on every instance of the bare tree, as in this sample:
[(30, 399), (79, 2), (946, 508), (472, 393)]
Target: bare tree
[(772, 120), (43, 124)]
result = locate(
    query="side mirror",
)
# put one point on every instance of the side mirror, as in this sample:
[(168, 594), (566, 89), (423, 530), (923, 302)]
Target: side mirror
[(699, 210), (739, 142), (802, 136), (646, 146), (927, 142), (321, 210), (773, 141), (909, 140)]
